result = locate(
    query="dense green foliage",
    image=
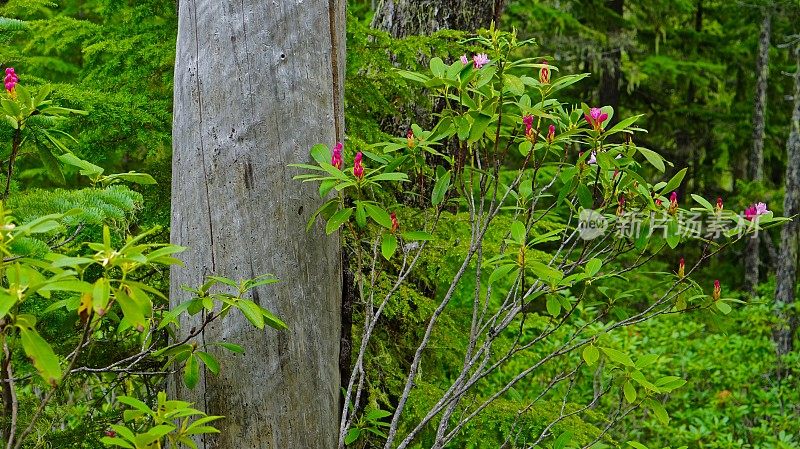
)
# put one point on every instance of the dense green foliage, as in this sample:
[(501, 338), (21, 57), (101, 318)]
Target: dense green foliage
[(687, 66)]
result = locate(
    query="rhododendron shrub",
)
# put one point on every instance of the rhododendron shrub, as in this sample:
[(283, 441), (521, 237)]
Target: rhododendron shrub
[(100, 289), (579, 205)]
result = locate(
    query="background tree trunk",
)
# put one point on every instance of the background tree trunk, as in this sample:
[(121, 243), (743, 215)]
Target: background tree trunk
[(790, 234), (755, 166), (611, 63), (403, 18), (256, 85)]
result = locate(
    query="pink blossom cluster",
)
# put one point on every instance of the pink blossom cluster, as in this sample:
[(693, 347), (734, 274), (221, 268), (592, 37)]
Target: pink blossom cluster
[(754, 210), (11, 79), (480, 60)]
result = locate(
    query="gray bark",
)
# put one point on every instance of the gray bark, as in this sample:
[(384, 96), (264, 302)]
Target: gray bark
[(786, 278), (402, 18), (256, 85), (755, 165)]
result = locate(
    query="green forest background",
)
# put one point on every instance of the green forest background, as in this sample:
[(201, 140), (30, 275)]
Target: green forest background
[(688, 65)]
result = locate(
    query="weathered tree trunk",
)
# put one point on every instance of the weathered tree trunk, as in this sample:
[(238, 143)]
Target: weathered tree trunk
[(790, 234), (611, 63), (755, 167), (402, 18), (256, 85)]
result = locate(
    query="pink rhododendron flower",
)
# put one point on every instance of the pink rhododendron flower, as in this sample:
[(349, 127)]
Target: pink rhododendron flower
[(464, 59), (673, 203), (528, 121), (544, 74), (358, 167), (480, 60), (755, 210), (592, 158), (336, 158), (11, 79), (596, 117), (551, 133)]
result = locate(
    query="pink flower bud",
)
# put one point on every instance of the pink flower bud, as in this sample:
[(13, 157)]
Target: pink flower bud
[(464, 59), (410, 139), (717, 290), (395, 223), (336, 158), (358, 168), (719, 204), (681, 268), (551, 133)]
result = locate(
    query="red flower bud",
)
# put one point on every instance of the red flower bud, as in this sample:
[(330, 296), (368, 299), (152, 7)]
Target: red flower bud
[(544, 74), (358, 167), (410, 138), (551, 133), (336, 158), (681, 268), (717, 290), (395, 223)]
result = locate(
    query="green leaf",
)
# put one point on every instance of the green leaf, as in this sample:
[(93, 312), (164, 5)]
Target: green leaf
[(51, 164), (591, 355), (675, 182), (630, 392), (438, 68), (337, 220), (379, 215), (723, 307), (479, 125), (440, 188), (133, 311), (501, 272), (562, 440), (231, 347), (659, 411), (388, 246), (352, 435), (518, 232), (209, 361), (39, 351), (654, 158), (553, 305), (593, 266), (252, 312), (618, 356), (703, 202), (134, 177), (191, 373)]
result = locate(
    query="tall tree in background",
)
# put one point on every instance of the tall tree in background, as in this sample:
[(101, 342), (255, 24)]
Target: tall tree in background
[(790, 234), (755, 166), (256, 85), (402, 18), (611, 62)]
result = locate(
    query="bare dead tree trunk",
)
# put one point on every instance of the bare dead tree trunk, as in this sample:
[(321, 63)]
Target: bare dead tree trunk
[(756, 160), (790, 234), (256, 85), (402, 18)]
